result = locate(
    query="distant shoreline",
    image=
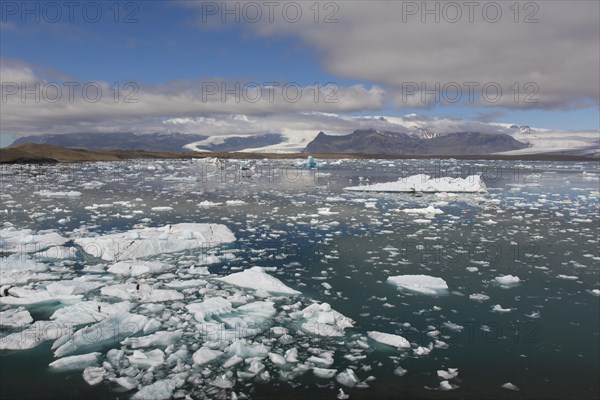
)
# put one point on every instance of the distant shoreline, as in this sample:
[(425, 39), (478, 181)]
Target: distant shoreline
[(48, 154)]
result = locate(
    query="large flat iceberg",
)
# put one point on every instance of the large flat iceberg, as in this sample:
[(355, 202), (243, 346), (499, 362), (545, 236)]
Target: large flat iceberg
[(256, 278), (146, 242), (424, 284), (426, 183)]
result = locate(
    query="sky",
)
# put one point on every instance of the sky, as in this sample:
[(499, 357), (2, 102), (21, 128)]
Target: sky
[(248, 67)]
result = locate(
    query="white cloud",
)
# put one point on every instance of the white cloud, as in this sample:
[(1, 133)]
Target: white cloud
[(382, 43)]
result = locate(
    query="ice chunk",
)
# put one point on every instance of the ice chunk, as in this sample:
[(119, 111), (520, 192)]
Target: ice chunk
[(108, 331), (479, 297), (21, 268), (321, 320), (507, 280), (244, 349), (138, 268), (324, 372), (430, 211), (13, 240), (159, 390), (510, 386), (247, 320), (94, 375), (158, 339), (424, 284), (449, 374), (75, 286), (37, 297), (34, 335), (146, 294), (57, 195), (391, 340), (568, 277), (145, 360), (277, 359), (88, 312), (146, 242), (347, 378), (399, 371), (75, 363), (15, 318), (498, 308), (207, 203), (209, 307), (425, 183), (310, 163), (205, 355), (256, 278)]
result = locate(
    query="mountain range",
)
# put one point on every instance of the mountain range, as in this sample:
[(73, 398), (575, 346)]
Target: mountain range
[(372, 141)]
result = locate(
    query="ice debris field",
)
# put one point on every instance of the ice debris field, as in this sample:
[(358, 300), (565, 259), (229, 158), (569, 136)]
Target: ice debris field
[(181, 279)]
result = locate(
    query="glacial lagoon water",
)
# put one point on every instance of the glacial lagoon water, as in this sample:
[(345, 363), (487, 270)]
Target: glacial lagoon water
[(538, 221)]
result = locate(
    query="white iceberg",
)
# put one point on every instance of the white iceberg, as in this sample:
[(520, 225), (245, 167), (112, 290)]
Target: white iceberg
[(507, 280), (424, 284), (75, 363), (146, 242), (256, 278), (425, 183), (108, 331), (322, 320), (391, 340)]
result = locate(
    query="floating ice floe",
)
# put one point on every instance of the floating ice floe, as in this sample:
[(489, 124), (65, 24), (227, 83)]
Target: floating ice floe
[(510, 386), (568, 277), (498, 308), (428, 211), (137, 268), (256, 278), (51, 194), (425, 183), (310, 163), (391, 340), (449, 374), (479, 297), (14, 240), (75, 363), (22, 268), (322, 320), (424, 284), (207, 203), (101, 334), (89, 312), (15, 318), (146, 242), (507, 280), (145, 293)]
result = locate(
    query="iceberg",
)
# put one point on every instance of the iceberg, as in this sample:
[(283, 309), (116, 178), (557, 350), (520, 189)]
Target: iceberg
[(256, 278), (147, 242), (391, 340), (138, 268), (322, 320), (13, 240), (310, 163), (15, 318), (507, 280), (427, 184), (106, 332), (75, 363), (423, 284)]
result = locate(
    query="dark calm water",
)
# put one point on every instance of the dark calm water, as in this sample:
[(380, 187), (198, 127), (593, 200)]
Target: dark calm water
[(538, 221)]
